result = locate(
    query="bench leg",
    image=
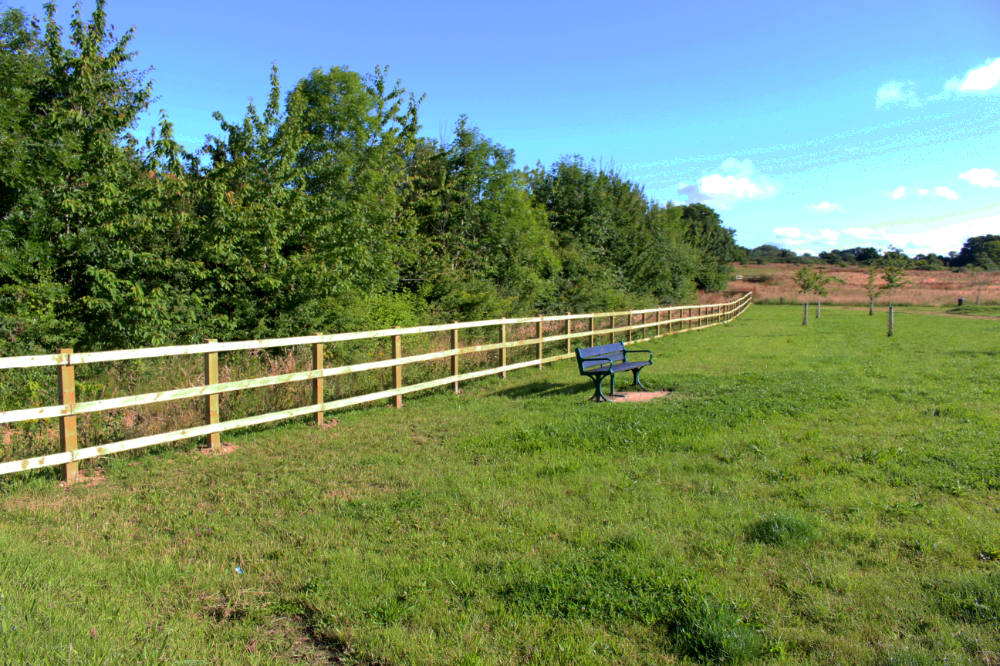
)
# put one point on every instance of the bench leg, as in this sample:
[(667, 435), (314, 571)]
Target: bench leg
[(613, 394), (598, 393), (635, 379)]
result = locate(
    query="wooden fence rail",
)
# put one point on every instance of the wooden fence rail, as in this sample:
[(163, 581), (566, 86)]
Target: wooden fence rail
[(648, 323)]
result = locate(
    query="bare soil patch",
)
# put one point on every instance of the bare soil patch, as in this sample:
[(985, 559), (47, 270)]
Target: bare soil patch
[(639, 396)]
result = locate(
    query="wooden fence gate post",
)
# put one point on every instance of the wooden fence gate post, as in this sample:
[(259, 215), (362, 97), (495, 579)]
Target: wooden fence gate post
[(318, 384), (214, 439), (541, 340), (569, 330), (397, 370), (454, 359), (503, 349), (67, 424)]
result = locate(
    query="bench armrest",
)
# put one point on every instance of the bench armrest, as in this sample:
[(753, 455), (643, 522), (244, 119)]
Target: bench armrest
[(594, 358), (639, 351)]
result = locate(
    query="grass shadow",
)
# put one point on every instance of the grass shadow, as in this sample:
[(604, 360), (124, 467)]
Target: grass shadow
[(539, 389)]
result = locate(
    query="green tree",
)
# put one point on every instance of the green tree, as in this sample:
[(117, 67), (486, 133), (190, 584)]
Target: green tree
[(894, 264), (806, 280)]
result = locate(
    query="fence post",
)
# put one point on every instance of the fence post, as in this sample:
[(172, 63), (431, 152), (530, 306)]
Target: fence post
[(397, 370), (569, 330), (454, 359), (67, 424), (630, 326), (592, 320), (541, 340), (503, 349), (659, 329), (611, 327), (213, 440), (318, 383)]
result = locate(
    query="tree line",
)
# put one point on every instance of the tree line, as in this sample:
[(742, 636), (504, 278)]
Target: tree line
[(977, 253), (323, 210)]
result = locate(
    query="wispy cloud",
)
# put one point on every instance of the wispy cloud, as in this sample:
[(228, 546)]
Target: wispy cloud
[(735, 180), (945, 193), (901, 93), (795, 237), (977, 81), (939, 240), (981, 177), (827, 207), (940, 191)]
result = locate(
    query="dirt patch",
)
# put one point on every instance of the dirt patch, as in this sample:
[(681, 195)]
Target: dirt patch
[(226, 449), (87, 479), (639, 396)]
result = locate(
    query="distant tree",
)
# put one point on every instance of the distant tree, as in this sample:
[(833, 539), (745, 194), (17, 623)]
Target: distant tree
[(893, 266), (805, 280), (979, 251)]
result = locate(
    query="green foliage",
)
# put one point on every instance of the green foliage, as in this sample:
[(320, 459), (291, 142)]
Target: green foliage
[(893, 267), (285, 219)]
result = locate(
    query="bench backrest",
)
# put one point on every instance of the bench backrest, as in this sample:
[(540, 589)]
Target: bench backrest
[(595, 357)]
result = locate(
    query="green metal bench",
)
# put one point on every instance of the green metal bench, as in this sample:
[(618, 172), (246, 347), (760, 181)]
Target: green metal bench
[(605, 360)]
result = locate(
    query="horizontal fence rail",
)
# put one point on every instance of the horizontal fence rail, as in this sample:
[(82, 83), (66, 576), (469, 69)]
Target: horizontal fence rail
[(648, 324)]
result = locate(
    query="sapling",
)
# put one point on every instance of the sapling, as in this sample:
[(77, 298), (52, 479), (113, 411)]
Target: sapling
[(893, 278), (820, 280), (872, 288), (805, 280)]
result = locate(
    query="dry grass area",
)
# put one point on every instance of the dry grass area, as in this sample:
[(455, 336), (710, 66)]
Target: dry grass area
[(774, 283)]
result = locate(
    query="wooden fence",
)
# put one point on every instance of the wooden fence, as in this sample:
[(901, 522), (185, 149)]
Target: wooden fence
[(649, 323)]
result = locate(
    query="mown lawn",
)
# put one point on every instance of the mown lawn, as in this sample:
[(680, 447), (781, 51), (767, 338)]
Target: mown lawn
[(821, 494)]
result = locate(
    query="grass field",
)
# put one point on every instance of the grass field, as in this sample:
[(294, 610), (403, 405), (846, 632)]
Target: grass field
[(774, 283), (806, 494)]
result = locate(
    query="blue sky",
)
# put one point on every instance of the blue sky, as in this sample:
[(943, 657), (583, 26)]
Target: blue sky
[(807, 125)]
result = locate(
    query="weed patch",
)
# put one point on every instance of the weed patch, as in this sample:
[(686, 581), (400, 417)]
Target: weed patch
[(776, 530), (606, 585)]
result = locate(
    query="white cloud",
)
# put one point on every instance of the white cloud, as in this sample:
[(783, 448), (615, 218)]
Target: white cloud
[(940, 240), (897, 193), (736, 180), (981, 177), (892, 93), (827, 207), (980, 79), (795, 237), (718, 185), (939, 191)]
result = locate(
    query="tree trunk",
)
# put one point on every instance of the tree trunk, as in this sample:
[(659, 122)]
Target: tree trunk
[(805, 313), (891, 322), (818, 303), (871, 307)]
